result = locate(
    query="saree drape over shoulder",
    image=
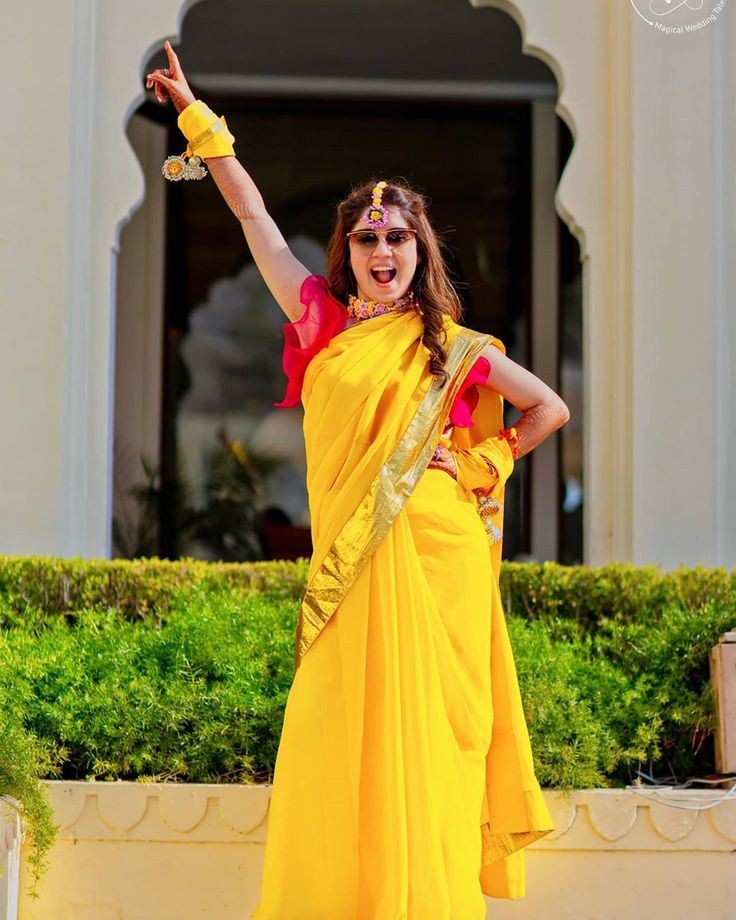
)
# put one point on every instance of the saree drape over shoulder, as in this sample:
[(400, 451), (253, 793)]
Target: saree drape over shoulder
[(404, 786)]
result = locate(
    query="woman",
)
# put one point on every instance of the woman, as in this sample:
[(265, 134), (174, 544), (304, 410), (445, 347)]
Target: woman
[(404, 785)]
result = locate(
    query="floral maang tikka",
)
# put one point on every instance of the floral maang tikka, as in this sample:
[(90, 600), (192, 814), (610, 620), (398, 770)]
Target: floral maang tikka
[(377, 214)]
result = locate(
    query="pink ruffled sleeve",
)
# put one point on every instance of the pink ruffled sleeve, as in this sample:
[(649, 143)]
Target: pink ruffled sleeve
[(323, 317), (461, 413)]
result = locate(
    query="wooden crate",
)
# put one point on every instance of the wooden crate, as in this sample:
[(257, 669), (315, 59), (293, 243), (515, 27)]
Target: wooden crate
[(723, 676)]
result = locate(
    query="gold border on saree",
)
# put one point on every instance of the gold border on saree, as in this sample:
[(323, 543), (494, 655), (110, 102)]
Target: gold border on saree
[(386, 497)]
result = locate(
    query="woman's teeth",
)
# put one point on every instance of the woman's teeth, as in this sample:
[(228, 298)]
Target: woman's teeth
[(383, 275)]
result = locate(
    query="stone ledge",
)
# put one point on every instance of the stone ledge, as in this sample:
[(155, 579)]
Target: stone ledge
[(590, 819), (610, 819), (160, 811)]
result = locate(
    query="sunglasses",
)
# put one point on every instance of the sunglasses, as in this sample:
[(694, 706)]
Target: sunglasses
[(368, 239)]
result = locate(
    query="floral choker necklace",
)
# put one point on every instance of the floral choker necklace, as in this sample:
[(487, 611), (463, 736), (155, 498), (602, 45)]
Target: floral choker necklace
[(363, 309)]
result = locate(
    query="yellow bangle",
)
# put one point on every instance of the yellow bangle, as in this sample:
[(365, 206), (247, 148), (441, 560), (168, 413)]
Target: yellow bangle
[(207, 135)]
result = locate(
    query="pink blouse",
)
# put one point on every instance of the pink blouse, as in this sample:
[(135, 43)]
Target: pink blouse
[(324, 316)]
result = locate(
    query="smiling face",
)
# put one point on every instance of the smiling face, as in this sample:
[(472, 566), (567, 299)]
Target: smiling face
[(399, 262)]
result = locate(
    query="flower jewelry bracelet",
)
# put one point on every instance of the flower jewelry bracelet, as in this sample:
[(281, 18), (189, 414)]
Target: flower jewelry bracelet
[(188, 166)]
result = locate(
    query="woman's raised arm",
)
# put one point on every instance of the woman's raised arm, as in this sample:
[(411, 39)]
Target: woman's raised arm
[(281, 270)]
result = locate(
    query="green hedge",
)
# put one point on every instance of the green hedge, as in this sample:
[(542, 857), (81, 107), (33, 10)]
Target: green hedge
[(180, 671), (591, 595), (135, 588), (200, 698)]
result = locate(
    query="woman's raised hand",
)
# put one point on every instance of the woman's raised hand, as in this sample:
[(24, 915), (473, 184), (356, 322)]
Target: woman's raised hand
[(170, 82)]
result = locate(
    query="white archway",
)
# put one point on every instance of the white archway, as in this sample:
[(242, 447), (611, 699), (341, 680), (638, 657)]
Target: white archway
[(656, 236), (107, 187), (545, 486)]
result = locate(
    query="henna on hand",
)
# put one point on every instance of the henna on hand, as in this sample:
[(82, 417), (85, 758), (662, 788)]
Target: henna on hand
[(170, 82), (442, 459), (538, 422)]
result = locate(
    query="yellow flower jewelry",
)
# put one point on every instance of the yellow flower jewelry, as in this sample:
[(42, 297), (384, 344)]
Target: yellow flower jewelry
[(377, 215), (487, 508), (364, 309), (177, 167), (204, 132)]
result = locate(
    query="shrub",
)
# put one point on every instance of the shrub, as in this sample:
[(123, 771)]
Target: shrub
[(22, 761), (598, 706), (578, 738), (591, 595), (200, 699), (135, 588), (180, 671), (668, 661)]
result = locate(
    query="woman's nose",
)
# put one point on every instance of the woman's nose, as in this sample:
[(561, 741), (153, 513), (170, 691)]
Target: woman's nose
[(382, 245)]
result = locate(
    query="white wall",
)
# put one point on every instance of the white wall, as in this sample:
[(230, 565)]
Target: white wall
[(675, 260), (648, 192), (723, 101), (34, 255), (70, 179)]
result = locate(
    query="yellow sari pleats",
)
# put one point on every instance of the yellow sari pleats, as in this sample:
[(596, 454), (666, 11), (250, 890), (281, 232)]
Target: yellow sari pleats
[(514, 811), (404, 786)]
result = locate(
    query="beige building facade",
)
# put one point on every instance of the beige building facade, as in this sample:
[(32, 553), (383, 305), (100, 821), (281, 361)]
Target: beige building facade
[(647, 192)]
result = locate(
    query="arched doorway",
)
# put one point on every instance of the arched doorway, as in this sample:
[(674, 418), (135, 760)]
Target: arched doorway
[(462, 113)]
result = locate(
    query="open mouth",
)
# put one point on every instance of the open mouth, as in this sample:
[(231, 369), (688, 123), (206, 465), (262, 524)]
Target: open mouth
[(383, 276)]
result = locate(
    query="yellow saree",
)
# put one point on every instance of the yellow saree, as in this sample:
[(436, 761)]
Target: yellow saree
[(404, 787)]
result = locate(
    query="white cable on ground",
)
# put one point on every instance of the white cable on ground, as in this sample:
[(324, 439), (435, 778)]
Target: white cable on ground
[(657, 788)]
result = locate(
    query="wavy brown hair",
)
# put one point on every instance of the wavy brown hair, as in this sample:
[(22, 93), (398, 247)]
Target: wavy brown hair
[(432, 287)]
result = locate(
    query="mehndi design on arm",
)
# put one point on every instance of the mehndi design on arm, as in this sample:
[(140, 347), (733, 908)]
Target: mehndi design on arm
[(536, 424), (238, 189)]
